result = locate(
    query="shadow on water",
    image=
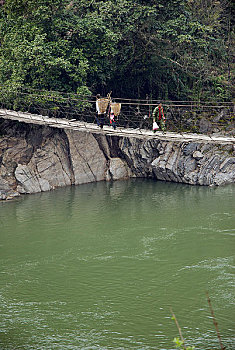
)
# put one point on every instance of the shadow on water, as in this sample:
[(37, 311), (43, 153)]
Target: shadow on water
[(97, 266)]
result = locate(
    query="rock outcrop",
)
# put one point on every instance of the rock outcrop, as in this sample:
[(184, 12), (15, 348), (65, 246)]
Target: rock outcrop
[(37, 158)]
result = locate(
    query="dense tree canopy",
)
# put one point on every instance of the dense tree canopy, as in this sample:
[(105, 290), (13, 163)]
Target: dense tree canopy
[(177, 49)]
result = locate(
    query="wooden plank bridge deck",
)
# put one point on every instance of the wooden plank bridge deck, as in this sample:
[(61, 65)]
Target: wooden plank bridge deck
[(108, 130)]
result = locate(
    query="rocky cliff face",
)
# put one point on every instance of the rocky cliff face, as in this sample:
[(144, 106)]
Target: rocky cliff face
[(36, 158)]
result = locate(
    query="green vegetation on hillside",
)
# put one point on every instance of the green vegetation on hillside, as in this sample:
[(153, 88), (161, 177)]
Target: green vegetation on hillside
[(177, 49)]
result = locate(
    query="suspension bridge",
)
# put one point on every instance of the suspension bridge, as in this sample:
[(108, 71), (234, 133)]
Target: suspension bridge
[(66, 111), (63, 123)]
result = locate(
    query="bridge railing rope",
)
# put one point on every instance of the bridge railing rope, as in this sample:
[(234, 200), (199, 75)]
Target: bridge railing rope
[(181, 116)]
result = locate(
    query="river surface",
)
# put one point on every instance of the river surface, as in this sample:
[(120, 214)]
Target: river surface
[(99, 266)]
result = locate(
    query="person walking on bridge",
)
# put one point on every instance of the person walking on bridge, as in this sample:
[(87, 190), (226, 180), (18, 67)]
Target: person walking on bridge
[(115, 109), (99, 114), (161, 117), (112, 119)]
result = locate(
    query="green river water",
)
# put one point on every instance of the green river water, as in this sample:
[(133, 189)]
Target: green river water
[(98, 266)]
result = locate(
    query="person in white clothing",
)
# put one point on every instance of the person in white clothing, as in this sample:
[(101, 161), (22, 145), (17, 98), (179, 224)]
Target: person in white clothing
[(99, 115)]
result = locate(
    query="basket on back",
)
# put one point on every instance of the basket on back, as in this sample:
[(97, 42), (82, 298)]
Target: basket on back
[(103, 104), (115, 108)]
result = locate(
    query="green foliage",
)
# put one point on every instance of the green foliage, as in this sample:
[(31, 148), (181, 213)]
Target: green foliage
[(34, 50), (178, 49), (180, 345)]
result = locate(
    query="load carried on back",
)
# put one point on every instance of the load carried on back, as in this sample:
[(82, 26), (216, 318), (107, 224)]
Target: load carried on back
[(115, 108), (101, 108), (104, 104)]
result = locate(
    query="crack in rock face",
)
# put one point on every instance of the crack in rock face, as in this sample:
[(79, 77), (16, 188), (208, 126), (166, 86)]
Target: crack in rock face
[(60, 158), (88, 161)]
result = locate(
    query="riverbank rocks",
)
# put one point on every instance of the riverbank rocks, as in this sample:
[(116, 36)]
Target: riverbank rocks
[(197, 155), (36, 158), (6, 192), (87, 160), (118, 169), (47, 168)]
